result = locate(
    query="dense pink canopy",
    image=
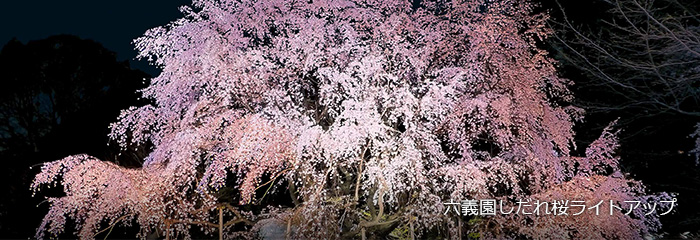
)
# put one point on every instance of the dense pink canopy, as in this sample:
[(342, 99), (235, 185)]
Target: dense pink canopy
[(373, 114)]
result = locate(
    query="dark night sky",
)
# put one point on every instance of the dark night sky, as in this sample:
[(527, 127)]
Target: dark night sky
[(113, 23)]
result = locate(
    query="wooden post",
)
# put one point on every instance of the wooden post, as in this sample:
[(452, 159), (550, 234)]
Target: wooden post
[(459, 227), (410, 223), (221, 223), (167, 229)]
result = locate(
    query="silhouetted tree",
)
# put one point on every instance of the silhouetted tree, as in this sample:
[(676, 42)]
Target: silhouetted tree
[(639, 61), (57, 97)]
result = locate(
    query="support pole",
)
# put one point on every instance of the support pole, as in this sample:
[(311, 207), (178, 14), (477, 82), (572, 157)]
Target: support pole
[(221, 223)]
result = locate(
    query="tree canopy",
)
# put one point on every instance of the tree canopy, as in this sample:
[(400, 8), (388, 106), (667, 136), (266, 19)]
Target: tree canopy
[(369, 114)]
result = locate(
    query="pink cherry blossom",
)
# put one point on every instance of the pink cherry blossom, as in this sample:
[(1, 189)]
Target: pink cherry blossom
[(371, 113)]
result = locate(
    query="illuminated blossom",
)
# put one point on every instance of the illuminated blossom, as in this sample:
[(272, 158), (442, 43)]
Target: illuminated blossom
[(373, 114)]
